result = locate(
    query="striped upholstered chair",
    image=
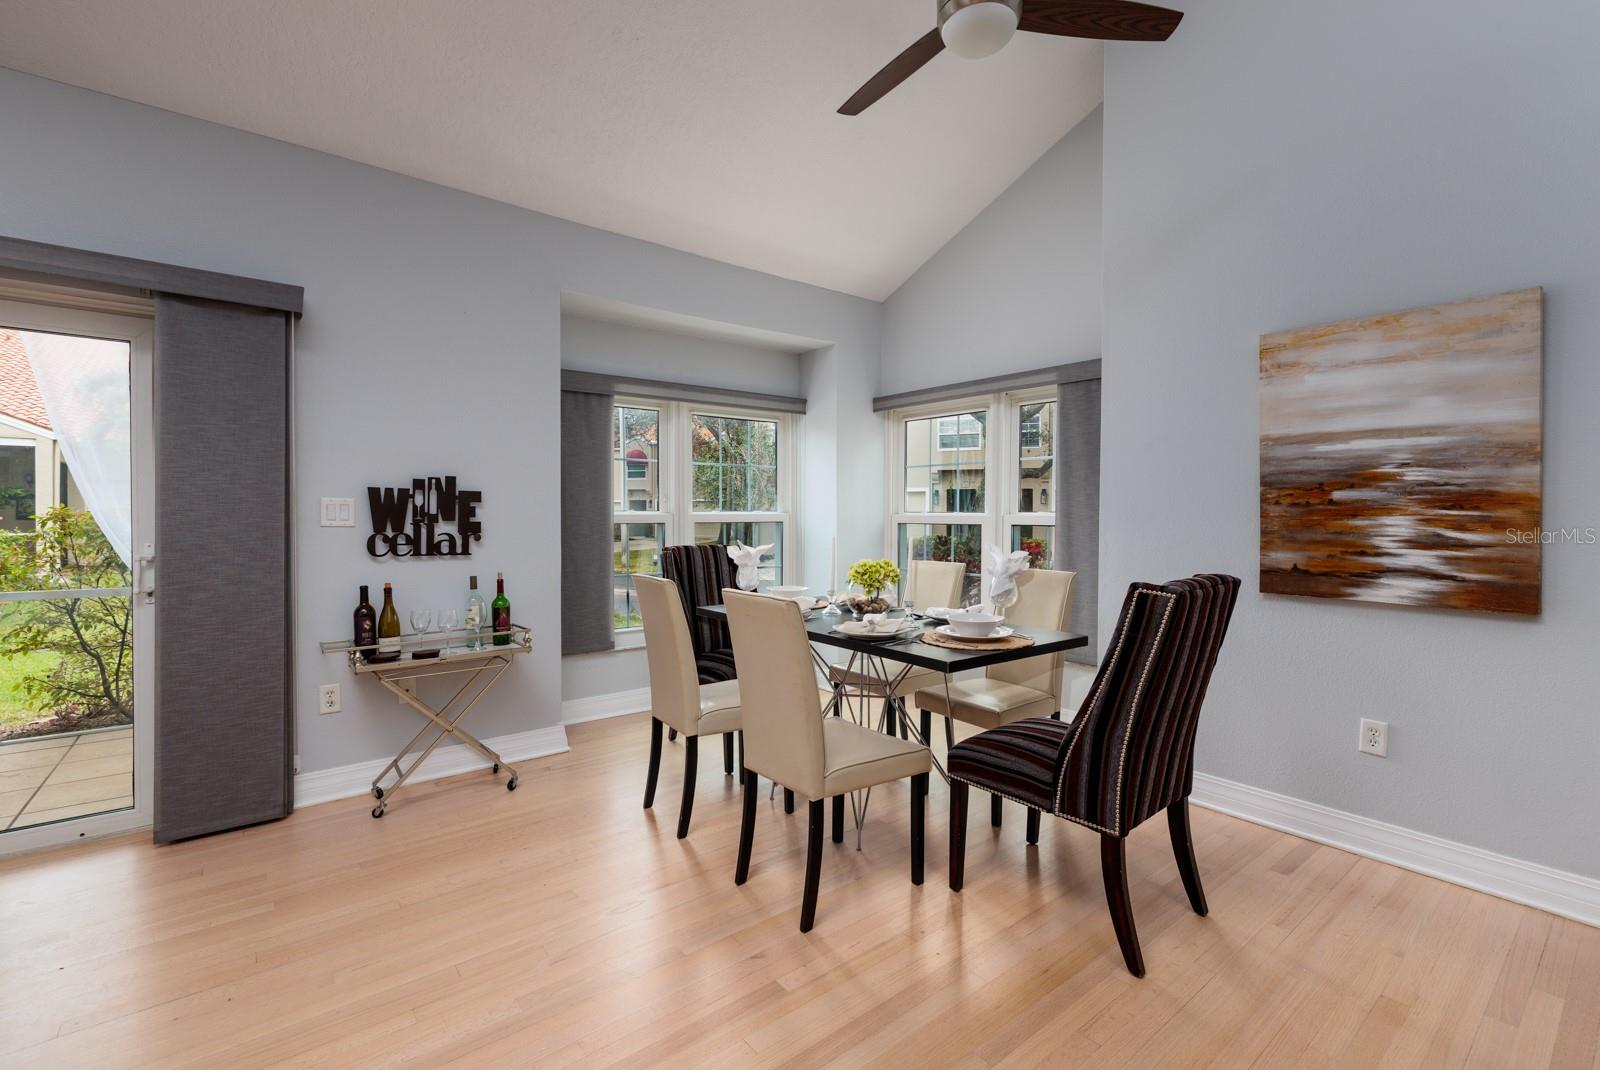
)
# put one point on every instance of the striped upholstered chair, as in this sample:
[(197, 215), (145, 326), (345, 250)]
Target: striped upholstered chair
[(701, 573), (1130, 751)]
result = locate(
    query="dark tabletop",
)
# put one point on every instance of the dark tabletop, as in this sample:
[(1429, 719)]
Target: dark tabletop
[(913, 651)]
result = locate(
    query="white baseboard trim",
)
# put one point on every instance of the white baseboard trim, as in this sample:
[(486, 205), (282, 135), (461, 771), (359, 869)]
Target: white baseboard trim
[(348, 781), (1567, 894), (599, 707)]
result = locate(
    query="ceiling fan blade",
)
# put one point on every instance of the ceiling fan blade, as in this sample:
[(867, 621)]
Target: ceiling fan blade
[(1104, 20), (898, 70)]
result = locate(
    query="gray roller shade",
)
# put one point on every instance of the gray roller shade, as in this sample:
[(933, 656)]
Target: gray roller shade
[(224, 725), (128, 273), (1076, 372), (1078, 505), (611, 385), (585, 522)]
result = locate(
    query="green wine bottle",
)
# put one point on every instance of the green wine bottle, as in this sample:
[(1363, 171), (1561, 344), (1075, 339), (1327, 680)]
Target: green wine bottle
[(500, 611), (388, 628)]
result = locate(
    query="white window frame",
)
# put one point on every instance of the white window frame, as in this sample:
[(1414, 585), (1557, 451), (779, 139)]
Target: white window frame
[(1002, 452), (1011, 473), (675, 482)]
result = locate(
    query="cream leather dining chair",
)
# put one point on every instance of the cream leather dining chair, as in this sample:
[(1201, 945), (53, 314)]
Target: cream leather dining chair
[(677, 698), (928, 583), (1030, 687), (787, 740)]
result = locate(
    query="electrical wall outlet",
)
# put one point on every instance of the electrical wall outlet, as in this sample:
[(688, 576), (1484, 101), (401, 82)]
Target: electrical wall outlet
[(328, 698), (1374, 738)]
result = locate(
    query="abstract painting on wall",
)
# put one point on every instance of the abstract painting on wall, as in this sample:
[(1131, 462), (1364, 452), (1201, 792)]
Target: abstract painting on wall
[(1401, 457)]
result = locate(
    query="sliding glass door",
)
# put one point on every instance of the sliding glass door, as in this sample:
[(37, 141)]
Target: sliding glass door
[(76, 574)]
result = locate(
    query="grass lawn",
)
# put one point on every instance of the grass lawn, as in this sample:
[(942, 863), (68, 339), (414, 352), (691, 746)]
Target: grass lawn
[(15, 706)]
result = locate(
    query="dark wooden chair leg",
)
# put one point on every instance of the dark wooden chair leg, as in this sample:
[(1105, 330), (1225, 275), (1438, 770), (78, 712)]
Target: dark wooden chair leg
[(747, 829), (949, 733), (743, 772), (1183, 851), (919, 805), (727, 754), (691, 757), (890, 717), (655, 763), (927, 739), (788, 801), (1114, 869), (995, 804), (905, 720), (838, 819), (1033, 825), (958, 834), (808, 902), (672, 734)]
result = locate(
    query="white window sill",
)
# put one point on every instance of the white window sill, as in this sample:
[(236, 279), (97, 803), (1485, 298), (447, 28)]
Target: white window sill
[(630, 639)]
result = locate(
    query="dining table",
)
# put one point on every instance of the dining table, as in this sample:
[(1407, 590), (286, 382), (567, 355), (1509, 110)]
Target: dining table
[(885, 663)]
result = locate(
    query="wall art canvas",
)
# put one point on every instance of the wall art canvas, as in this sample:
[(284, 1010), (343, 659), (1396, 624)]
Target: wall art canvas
[(1401, 457)]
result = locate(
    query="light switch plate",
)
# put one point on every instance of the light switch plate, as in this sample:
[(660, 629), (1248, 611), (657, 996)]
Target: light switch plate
[(338, 512)]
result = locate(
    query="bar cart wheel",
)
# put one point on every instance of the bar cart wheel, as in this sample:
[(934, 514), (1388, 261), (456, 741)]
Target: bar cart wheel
[(511, 785), (377, 811), (377, 793), (496, 768)]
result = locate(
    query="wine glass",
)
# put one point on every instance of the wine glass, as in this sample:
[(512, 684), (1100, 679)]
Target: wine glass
[(446, 619), (421, 621), (1004, 600)]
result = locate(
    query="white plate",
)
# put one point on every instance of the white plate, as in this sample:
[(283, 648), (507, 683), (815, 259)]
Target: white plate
[(1000, 632)]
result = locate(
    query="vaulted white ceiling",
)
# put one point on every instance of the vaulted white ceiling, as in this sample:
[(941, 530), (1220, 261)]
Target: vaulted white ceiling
[(705, 125)]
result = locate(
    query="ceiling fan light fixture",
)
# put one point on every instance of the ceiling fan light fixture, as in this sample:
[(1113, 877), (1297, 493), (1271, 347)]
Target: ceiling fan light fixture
[(974, 29)]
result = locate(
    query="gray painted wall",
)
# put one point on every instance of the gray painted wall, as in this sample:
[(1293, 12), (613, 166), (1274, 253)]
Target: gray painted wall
[(1018, 288), (1282, 163), (621, 348), (431, 343)]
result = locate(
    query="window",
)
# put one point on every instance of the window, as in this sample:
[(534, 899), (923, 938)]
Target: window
[(941, 477), (688, 473), (635, 460), (1032, 526), (968, 475), (963, 432), (735, 464)]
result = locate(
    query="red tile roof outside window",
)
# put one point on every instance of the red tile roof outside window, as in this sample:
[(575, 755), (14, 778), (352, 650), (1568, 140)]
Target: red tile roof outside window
[(19, 393)]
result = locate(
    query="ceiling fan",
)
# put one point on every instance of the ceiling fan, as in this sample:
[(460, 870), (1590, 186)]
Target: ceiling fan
[(978, 28)]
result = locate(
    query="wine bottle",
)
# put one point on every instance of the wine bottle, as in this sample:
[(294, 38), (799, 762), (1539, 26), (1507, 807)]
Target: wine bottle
[(501, 610), (477, 613), (388, 627), (366, 634)]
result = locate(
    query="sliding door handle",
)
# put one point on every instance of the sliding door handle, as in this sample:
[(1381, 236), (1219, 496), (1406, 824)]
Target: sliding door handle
[(144, 575)]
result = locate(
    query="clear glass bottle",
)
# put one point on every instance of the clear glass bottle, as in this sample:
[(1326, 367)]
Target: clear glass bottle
[(477, 613)]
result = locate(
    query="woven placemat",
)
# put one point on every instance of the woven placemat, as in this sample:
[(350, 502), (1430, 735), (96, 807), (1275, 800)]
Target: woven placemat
[(1010, 642)]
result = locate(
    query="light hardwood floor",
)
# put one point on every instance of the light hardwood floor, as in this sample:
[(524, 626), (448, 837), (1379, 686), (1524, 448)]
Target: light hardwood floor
[(561, 925)]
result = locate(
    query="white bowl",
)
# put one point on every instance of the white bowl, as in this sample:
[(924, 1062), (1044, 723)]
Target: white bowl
[(794, 594), (975, 624)]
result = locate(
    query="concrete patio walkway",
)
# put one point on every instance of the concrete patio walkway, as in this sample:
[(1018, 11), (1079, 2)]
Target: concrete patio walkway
[(56, 777)]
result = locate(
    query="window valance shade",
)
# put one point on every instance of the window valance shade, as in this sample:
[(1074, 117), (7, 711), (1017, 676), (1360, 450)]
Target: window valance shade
[(609, 384), (1080, 371), (126, 272)]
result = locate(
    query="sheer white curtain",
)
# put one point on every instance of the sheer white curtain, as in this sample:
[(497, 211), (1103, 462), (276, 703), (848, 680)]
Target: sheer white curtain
[(84, 385)]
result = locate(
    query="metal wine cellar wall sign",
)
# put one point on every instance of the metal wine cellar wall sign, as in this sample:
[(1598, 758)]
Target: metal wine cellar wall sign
[(406, 520)]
